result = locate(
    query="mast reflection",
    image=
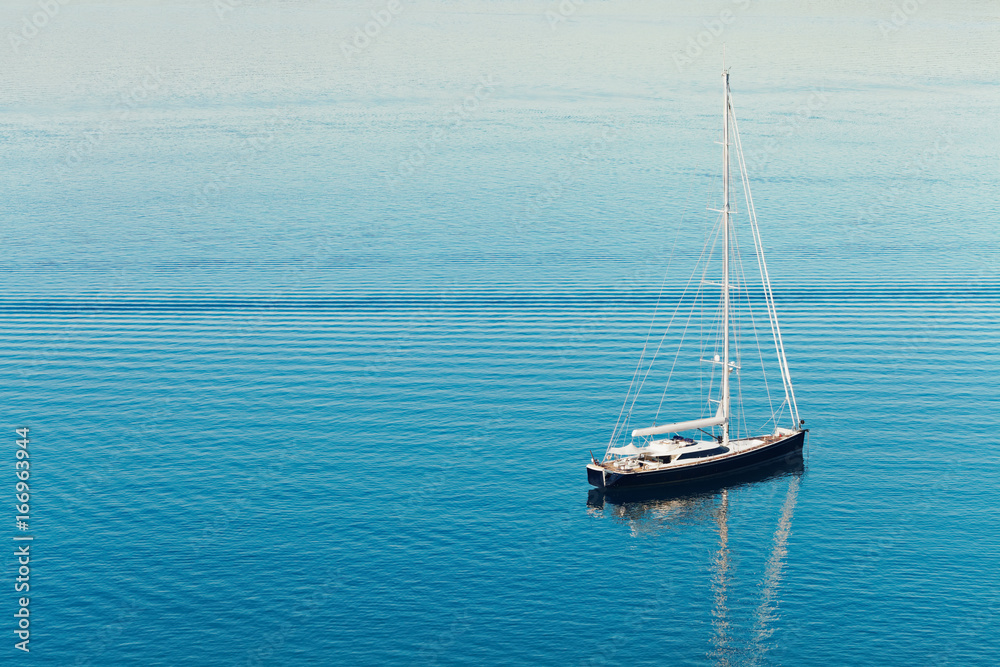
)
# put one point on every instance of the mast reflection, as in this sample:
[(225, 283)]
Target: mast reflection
[(654, 509)]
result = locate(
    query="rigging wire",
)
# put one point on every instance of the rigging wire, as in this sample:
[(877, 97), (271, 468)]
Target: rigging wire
[(643, 368), (673, 249), (765, 277), (713, 241)]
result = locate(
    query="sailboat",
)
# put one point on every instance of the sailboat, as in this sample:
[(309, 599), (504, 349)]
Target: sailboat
[(731, 447)]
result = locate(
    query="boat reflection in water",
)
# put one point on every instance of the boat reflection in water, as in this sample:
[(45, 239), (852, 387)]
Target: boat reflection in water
[(651, 509)]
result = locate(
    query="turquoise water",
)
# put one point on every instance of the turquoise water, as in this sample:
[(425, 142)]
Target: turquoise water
[(312, 362)]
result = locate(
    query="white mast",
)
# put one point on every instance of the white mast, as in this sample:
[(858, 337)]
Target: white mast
[(723, 415), (725, 258)]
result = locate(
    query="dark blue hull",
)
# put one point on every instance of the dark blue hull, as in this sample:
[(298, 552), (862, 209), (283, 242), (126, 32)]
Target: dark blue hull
[(788, 447)]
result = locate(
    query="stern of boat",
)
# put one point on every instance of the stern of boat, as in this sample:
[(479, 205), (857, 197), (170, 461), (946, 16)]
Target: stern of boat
[(595, 475)]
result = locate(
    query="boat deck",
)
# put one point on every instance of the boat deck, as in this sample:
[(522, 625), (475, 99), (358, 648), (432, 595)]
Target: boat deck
[(709, 450)]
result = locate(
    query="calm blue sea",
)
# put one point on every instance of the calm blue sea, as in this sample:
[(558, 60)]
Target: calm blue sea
[(314, 334)]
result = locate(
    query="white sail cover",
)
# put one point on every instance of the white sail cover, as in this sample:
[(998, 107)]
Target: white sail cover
[(664, 448), (679, 426), (627, 450)]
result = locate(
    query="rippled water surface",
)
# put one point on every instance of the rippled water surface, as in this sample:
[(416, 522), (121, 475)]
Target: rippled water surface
[(314, 343)]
